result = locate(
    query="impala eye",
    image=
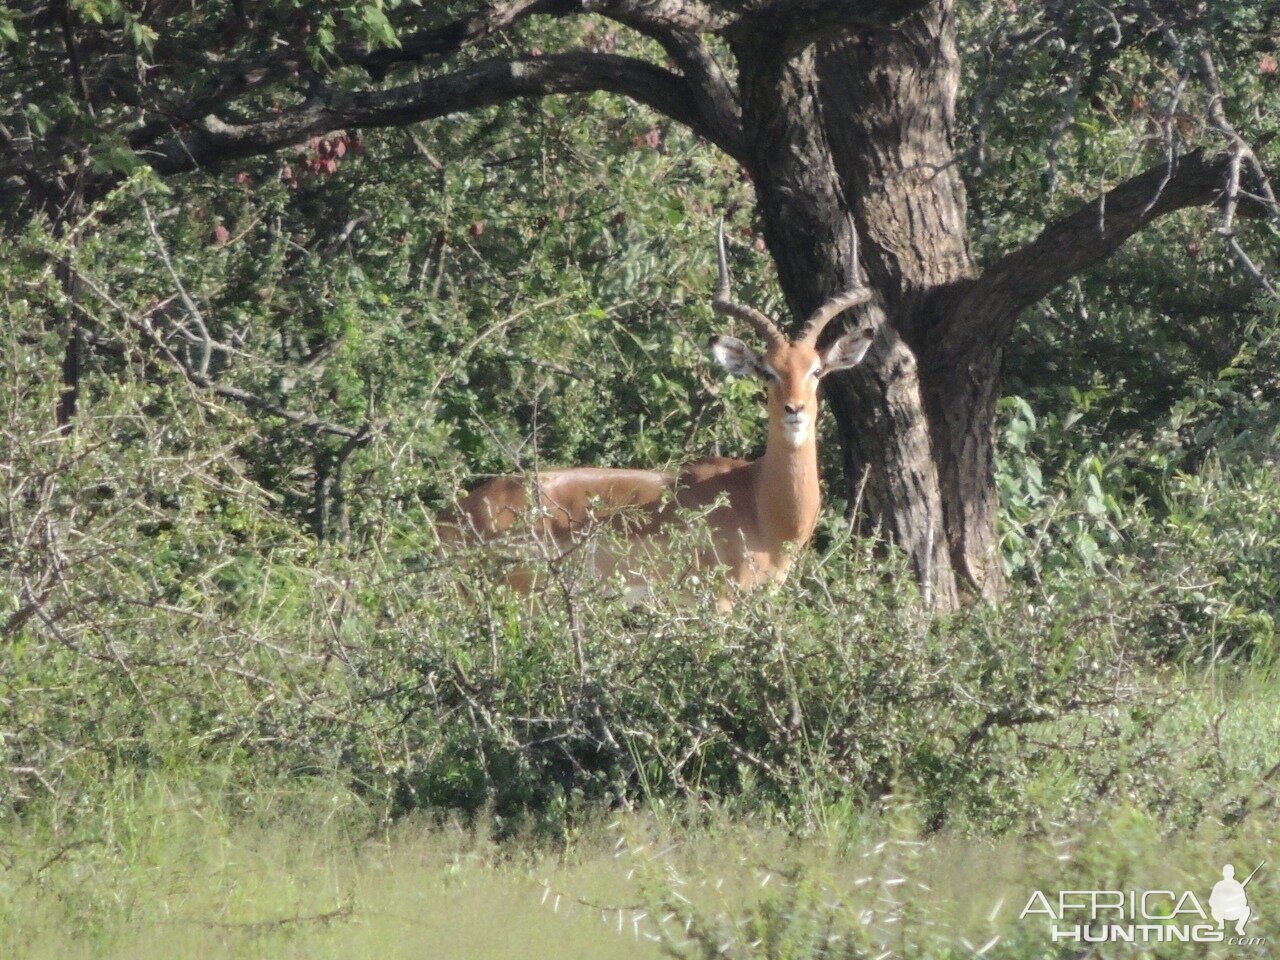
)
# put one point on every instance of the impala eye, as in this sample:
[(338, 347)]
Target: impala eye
[(768, 373)]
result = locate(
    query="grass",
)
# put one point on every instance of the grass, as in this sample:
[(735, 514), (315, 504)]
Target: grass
[(194, 885), (174, 873), (782, 847), (183, 865)]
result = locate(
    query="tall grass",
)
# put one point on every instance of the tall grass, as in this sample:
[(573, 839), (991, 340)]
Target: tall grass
[(183, 869)]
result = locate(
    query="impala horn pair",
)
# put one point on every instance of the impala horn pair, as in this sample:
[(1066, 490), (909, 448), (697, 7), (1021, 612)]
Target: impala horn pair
[(855, 296)]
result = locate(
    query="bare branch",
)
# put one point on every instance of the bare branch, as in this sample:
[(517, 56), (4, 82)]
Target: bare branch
[(1241, 154), (205, 339), (143, 325)]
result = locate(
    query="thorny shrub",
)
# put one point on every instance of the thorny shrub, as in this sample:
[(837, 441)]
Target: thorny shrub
[(158, 614)]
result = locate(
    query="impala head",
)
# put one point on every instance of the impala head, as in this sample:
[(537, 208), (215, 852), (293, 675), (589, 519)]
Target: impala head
[(791, 369)]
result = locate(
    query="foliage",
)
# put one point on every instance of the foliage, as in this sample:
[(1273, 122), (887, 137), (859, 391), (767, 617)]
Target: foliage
[(241, 566), (233, 577), (174, 618), (1185, 505)]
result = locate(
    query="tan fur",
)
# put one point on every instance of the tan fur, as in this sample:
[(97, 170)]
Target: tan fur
[(771, 505)]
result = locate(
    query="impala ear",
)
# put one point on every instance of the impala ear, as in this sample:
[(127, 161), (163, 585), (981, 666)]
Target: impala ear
[(735, 356), (848, 351)]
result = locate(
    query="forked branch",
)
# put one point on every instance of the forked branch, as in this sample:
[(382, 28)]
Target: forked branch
[(988, 308)]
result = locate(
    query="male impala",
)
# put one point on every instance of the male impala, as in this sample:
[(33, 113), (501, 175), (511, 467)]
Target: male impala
[(770, 505)]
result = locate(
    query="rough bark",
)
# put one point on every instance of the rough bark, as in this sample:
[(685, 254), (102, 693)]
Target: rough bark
[(859, 132), (889, 112)]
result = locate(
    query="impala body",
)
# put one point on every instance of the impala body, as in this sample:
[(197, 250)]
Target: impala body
[(759, 511)]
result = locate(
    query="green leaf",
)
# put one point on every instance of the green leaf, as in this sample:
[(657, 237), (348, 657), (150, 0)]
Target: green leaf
[(378, 27), (8, 32), (114, 156)]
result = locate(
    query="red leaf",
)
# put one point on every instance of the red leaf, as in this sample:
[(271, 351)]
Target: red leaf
[(243, 178), (477, 228), (759, 244), (653, 138), (220, 235), (1268, 64), (340, 147)]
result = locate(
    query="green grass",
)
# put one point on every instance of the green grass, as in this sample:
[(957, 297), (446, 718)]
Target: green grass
[(188, 866), (195, 886), (176, 873)]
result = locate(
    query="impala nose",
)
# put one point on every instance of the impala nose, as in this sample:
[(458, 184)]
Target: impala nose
[(793, 408)]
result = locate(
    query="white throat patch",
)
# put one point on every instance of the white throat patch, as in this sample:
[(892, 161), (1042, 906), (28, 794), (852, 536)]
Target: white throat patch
[(796, 429)]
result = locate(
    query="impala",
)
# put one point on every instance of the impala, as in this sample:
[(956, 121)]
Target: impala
[(759, 511)]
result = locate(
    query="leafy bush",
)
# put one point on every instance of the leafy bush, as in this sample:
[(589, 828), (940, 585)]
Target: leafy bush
[(1187, 509), (168, 617), (163, 612)]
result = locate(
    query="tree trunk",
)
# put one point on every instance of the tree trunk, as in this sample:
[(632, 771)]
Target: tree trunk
[(960, 399), (861, 132)]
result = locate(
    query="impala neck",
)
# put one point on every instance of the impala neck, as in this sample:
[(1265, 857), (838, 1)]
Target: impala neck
[(787, 494)]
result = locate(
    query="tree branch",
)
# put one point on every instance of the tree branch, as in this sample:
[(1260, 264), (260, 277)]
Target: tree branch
[(1242, 155), (192, 130), (235, 78), (988, 308), (693, 16), (142, 325), (794, 23), (484, 84), (452, 37), (715, 94)]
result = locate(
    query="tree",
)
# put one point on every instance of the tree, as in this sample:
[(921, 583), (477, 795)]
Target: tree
[(842, 113)]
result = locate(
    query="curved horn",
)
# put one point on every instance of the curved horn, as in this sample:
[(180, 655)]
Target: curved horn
[(721, 303), (855, 296)]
